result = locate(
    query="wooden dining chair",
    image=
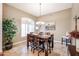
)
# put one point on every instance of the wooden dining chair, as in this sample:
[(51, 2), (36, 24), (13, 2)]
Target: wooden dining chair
[(41, 45), (47, 33), (29, 39), (51, 41), (72, 50), (40, 33), (37, 44), (33, 43)]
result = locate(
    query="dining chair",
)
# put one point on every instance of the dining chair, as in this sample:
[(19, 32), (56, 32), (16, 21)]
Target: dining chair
[(51, 41), (33, 43), (40, 33), (47, 33), (41, 46), (37, 44), (28, 40)]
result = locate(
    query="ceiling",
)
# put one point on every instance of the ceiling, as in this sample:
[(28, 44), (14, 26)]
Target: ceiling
[(46, 8)]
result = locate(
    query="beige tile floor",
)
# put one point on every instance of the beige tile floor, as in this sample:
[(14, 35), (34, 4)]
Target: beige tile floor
[(21, 50)]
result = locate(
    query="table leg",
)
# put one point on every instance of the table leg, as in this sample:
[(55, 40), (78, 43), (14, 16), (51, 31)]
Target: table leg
[(52, 42), (46, 49), (46, 52), (70, 42), (27, 44), (62, 41), (66, 42)]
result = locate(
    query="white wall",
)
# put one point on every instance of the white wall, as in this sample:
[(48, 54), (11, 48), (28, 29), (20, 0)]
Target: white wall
[(0, 27), (62, 20)]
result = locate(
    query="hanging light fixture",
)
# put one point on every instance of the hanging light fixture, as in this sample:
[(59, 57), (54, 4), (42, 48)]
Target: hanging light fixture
[(40, 22), (40, 9)]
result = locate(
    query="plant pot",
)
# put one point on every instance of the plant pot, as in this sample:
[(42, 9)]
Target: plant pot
[(8, 46)]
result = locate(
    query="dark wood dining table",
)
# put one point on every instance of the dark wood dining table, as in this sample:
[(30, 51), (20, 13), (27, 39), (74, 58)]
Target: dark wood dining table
[(45, 38)]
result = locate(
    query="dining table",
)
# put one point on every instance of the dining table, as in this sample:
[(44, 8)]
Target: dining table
[(45, 38)]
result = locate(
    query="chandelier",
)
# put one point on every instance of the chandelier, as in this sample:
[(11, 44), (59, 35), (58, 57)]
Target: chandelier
[(40, 22)]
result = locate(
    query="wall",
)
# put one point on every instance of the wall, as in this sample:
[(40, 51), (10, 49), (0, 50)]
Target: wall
[(75, 11), (62, 20), (0, 27), (11, 12)]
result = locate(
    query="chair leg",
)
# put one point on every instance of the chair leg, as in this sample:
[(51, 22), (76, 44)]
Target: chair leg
[(46, 52), (66, 42), (43, 50), (38, 54), (49, 50), (62, 41), (68, 53), (33, 50), (27, 44)]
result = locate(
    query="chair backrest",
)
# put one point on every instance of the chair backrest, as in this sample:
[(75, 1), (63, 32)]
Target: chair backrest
[(40, 33), (51, 38), (72, 50), (47, 33)]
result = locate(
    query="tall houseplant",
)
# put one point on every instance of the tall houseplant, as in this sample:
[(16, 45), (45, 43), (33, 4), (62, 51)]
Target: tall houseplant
[(9, 31)]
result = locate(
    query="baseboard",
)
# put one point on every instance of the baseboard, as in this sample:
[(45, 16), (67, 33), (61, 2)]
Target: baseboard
[(19, 42)]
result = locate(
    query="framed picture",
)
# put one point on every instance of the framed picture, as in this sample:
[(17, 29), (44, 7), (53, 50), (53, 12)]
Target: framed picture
[(50, 26)]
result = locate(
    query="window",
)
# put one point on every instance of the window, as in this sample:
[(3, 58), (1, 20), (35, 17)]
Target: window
[(23, 30), (31, 28), (27, 26)]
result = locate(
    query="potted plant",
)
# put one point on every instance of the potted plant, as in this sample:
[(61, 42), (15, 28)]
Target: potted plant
[(9, 31)]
